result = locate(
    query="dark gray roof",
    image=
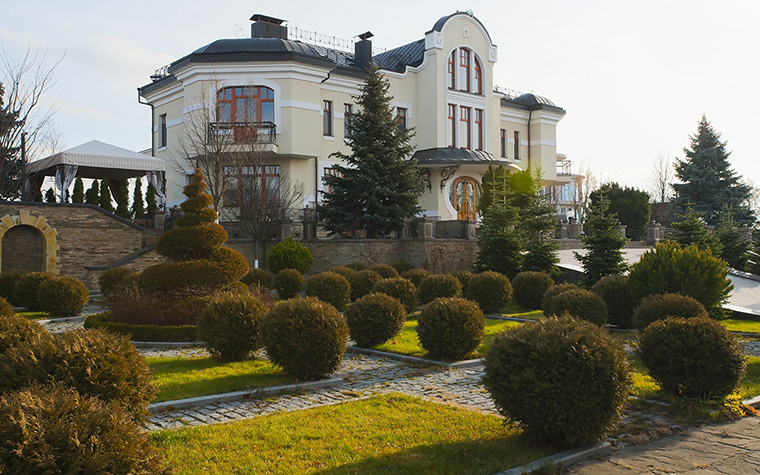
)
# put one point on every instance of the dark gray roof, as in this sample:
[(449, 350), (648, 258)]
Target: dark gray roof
[(453, 156), (396, 59), (530, 102), (442, 21)]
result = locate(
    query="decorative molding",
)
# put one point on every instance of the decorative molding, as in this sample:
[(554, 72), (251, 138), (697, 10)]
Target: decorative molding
[(447, 173), (24, 218)]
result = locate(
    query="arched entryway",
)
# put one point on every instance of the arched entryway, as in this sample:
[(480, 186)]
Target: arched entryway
[(29, 243), (465, 197)]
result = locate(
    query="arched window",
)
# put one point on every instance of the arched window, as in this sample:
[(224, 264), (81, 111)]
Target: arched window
[(464, 71), (465, 197), (478, 89), (451, 73)]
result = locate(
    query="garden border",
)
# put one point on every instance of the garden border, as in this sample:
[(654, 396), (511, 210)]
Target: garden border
[(414, 359)]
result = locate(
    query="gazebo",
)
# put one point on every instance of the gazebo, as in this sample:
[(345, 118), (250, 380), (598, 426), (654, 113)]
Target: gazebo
[(97, 160)]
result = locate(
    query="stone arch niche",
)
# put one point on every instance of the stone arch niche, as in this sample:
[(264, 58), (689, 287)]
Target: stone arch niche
[(31, 235)]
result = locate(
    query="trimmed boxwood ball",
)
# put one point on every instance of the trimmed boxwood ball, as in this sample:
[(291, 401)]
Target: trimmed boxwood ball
[(8, 281), (553, 291), (490, 290), (530, 287), (463, 276), (375, 319), (63, 296), (26, 288), (385, 270), (402, 267), (693, 357), (399, 288), (451, 328), (361, 283), (6, 309), (288, 283), (329, 287), (112, 279), (416, 276), (565, 381), (658, 307), (53, 429), (260, 277), (356, 266), (437, 286), (230, 327), (618, 297), (16, 331), (289, 254), (306, 337), (342, 270), (581, 304)]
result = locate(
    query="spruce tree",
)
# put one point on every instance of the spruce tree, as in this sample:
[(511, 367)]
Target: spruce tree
[(630, 205), (381, 184), (138, 206), (122, 202), (604, 245), (92, 197), (710, 185), (537, 223), (150, 200), (78, 196), (50, 196), (499, 245), (735, 245), (690, 229), (105, 196)]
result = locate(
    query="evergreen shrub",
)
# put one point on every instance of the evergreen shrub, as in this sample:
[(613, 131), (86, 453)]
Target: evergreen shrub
[(306, 337), (659, 307), (398, 288), (385, 270), (204, 275), (54, 429), (402, 266), (490, 290), (289, 254), (329, 287), (693, 357), (618, 297), (113, 279), (356, 266), (133, 306), (142, 332), (416, 275), (463, 276), (257, 276), (16, 331), (565, 381), (581, 304), (530, 288), (63, 296), (342, 270), (288, 283), (553, 291), (230, 327), (361, 283), (6, 309), (26, 287), (438, 286), (451, 328), (8, 281), (375, 319)]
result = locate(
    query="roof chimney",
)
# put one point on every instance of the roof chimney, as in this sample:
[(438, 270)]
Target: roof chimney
[(363, 51), (267, 27)]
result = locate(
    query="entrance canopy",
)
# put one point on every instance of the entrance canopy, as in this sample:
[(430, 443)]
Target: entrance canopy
[(98, 160)]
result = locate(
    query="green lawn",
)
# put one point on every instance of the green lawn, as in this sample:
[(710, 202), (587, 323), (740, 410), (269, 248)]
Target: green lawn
[(738, 325), (390, 434), (178, 378), (513, 309), (34, 315)]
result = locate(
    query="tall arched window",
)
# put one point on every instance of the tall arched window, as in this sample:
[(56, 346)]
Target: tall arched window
[(451, 72), (478, 89), (464, 71)]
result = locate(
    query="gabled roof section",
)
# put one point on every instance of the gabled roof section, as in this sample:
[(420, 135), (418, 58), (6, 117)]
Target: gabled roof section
[(397, 59), (442, 21)]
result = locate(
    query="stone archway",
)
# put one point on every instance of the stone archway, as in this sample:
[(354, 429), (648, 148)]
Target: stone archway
[(49, 257)]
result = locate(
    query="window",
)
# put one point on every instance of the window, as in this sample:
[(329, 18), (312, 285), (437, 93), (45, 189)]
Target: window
[(503, 140), (517, 145), (478, 89), (452, 125), (451, 78), (401, 118), (327, 119), (245, 105), (331, 172), (251, 186), (464, 69), (464, 113), (478, 129), (348, 111), (162, 130)]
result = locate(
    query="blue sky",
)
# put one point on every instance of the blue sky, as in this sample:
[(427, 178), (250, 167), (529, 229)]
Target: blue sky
[(634, 77)]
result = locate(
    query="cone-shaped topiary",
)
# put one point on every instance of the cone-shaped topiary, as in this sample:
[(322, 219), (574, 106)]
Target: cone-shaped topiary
[(78, 196), (104, 200)]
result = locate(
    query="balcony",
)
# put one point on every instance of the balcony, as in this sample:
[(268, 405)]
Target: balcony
[(243, 132)]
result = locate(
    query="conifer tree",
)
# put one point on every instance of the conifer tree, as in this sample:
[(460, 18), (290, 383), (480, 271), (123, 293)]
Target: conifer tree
[(735, 245), (50, 196), (604, 244), (122, 202), (105, 196), (138, 206), (150, 200), (710, 185), (380, 185), (92, 197), (78, 196), (690, 229)]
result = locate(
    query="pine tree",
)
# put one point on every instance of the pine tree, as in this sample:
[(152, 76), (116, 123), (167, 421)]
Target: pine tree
[(138, 206), (150, 200), (604, 255), (381, 184), (92, 197), (499, 245), (78, 196), (122, 202), (735, 245), (691, 229), (50, 196), (537, 223), (710, 185), (105, 196)]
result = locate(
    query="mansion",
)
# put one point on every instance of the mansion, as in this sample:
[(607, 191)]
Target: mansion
[(293, 96)]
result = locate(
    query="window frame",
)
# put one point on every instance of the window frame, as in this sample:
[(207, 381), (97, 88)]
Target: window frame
[(162, 131), (503, 142), (452, 70), (479, 113), (516, 136), (401, 118), (452, 108), (232, 197), (348, 112), (258, 95), (327, 118), (465, 115), (464, 63)]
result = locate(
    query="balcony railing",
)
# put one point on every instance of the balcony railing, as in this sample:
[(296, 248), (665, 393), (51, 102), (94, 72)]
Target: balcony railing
[(243, 132)]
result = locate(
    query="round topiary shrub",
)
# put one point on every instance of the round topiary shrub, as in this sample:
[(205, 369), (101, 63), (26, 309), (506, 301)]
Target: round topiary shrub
[(388, 272), (329, 287), (8, 281), (306, 337), (553, 291), (659, 307), (416, 276), (581, 304), (618, 297), (361, 283), (399, 288), (63, 296), (288, 283), (402, 267), (230, 327), (258, 277), (289, 254), (693, 357), (438, 286), (375, 319), (113, 278), (342, 270), (16, 331), (6, 309), (26, 290), (530, 288), (463, 276), (356, 266), (202, 275), (53, 429), (490, 290), (451, 328), (564, 380)]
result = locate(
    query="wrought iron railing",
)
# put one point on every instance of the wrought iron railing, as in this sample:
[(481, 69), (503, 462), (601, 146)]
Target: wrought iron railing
[(244, 132), (456, 229)]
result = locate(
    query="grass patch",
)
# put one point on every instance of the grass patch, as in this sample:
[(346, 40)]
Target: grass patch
[(750, 386), (390, 434), (513, 309), (34, 315), (407, 343), (179, 378), (739, 325)]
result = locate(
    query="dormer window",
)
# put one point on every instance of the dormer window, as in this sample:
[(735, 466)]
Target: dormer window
[(464, 71)]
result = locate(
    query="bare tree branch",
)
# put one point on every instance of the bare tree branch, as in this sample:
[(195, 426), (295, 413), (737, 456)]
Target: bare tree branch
[(660, 177)]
